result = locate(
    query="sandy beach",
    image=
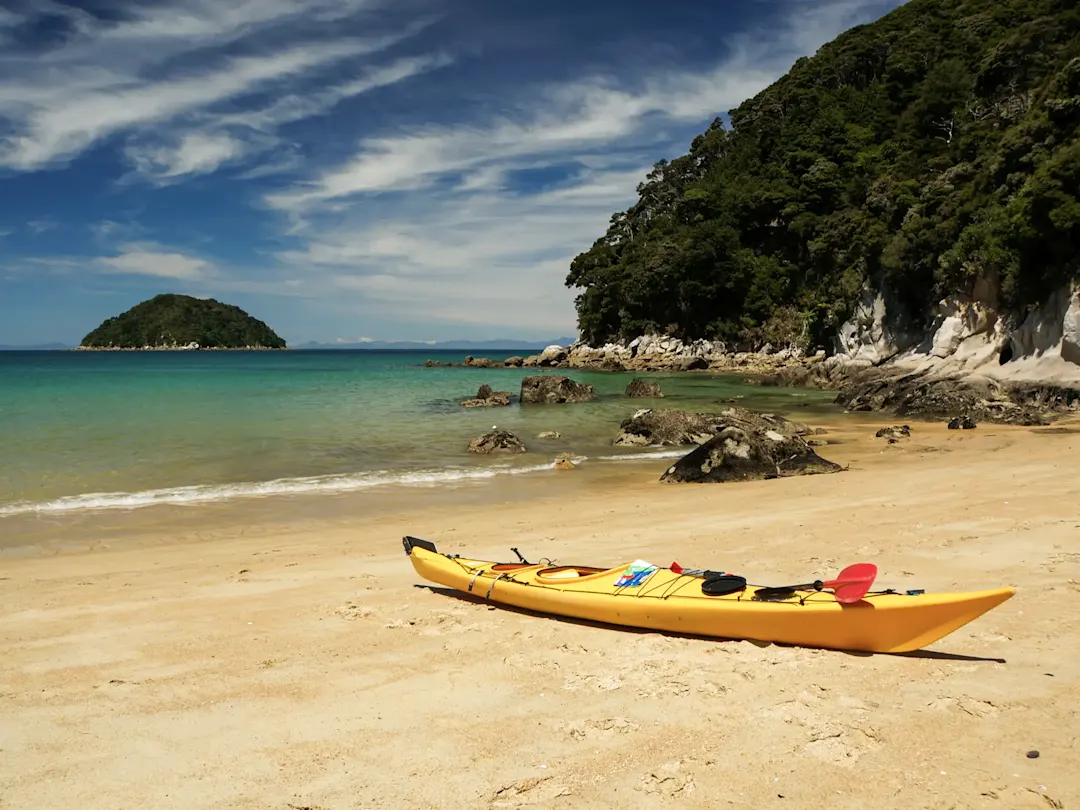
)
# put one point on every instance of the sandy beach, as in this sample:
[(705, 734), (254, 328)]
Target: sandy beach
[(218, 664)]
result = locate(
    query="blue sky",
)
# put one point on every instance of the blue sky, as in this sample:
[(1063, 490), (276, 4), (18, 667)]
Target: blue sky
[(412, 169)]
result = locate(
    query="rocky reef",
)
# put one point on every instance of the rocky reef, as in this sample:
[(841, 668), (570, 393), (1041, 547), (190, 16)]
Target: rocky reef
[(497, 441), (551, 389), (486, 398), (643, 388), (971, 359)]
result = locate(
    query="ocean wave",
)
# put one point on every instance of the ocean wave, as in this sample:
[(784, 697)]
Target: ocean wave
[(211, 493)]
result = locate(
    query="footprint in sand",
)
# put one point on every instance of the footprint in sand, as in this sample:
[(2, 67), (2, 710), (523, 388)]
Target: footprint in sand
[(534, 790), (602, 729), (352, 610), (832, 746), (710, 688), (674, 780), (968, 705), (435, 624), (572, 648), (367, 582), (666, 689), (522, 661), (603, 683)]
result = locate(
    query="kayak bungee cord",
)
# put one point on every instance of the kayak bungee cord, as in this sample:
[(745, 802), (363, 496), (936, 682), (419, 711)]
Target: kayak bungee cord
[(798, 595)]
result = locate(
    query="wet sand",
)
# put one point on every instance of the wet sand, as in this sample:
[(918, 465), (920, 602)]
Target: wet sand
[(210, 659)]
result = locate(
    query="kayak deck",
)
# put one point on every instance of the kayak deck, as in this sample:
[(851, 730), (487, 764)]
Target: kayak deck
[(667, 601)]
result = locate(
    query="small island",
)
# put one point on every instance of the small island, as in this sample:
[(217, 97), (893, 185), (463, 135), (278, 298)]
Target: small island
[(182, 322)]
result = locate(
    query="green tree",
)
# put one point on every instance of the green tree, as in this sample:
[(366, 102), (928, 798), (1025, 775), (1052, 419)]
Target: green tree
[(917, 153)]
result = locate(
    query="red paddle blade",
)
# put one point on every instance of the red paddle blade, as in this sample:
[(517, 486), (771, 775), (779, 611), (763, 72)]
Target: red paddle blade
[(678, 569), (853, 582)]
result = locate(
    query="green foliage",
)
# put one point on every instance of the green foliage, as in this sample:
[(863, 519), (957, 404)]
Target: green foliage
[(179, 320), (919, 152)]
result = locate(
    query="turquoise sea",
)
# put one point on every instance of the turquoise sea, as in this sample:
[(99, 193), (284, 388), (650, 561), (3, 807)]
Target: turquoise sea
[(119, 430)]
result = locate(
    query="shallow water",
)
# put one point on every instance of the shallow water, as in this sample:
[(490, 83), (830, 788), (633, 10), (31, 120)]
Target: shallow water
[(101, 430)]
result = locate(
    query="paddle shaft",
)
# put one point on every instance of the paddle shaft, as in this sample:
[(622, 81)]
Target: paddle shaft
[(856, 575), (819, 585)]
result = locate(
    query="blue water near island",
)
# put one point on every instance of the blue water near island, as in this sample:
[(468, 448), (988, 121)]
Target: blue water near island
[(100, 430)]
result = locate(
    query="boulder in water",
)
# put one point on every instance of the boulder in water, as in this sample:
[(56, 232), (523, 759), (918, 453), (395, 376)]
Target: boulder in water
[(692, 364), (552, 356), (894, 433), (497, 441), (549, 389), (749, 446), (643, 388), (486, 398), (667, 426)]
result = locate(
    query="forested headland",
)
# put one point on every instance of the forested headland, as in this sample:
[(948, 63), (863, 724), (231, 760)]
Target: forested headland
[(933, 147)]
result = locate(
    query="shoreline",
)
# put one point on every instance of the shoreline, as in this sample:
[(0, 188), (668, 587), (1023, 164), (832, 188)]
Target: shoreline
[(177, 349), (309, 651), (537, 468), (1030, 391)]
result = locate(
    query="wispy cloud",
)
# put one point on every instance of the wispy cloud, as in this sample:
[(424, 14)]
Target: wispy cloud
[(61, 128), (188, 153), (152, 260), (134, 76), (215, 140)]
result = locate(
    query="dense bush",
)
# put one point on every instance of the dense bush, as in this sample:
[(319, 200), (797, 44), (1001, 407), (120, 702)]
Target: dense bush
[(930, 147)]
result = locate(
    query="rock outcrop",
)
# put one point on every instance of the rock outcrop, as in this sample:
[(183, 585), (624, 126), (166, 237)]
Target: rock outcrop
[(486, 398), (497, 441), (929, 396), (748, 446), (553, 356), (961, 423), (667, 426), (894, 433), (969, 332), (660, 427), (550, 389), (643, 388), (549, 434), (664, 353), (972, 358)]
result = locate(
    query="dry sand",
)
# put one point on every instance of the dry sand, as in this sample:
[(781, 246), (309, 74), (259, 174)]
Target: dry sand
[(301, 666)]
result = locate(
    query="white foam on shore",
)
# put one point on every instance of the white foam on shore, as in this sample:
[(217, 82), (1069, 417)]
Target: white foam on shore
[(319, 484), (646, 456)]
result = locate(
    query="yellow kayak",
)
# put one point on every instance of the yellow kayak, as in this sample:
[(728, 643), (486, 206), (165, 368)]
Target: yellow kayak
[(658, 598)]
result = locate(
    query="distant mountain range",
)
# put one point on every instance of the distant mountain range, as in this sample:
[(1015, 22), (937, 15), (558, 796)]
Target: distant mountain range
[(438, 345)]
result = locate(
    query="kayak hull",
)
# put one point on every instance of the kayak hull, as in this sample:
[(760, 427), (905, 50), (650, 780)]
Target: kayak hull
[(670, 602)]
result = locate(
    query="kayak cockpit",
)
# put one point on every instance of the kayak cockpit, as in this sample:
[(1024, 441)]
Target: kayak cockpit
[(562, 572)]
